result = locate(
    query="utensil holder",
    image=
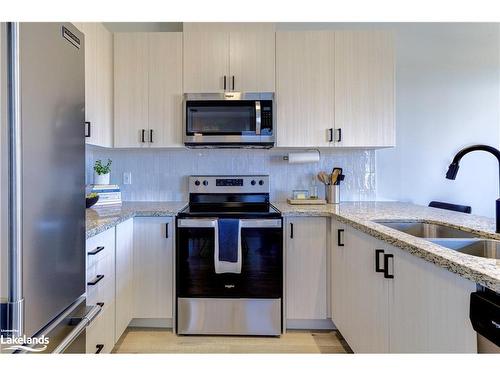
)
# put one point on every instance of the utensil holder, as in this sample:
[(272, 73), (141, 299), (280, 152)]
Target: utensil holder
[(332, 193)]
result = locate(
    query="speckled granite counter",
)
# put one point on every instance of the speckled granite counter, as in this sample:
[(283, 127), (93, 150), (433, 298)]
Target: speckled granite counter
[(360, 215), (102, 218)]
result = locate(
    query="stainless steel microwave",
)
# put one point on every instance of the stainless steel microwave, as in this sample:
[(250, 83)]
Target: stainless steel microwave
[(230, 119)]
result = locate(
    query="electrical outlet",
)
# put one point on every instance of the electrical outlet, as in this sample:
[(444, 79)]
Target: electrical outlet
[(127, 178)]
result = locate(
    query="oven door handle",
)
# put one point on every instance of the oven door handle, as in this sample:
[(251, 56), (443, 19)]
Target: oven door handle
[(258, 117), (261, 223), (197, 223)]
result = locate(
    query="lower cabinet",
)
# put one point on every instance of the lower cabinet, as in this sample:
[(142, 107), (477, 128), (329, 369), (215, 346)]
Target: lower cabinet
[(387, 300), (101, 290), (124, 276), (306, 268), (153, 267)]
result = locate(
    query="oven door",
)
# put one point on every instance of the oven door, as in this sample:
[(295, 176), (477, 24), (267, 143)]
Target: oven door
[(262, 260)]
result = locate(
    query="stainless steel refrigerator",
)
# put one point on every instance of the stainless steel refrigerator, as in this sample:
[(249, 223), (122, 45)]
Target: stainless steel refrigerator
[(42, 274)]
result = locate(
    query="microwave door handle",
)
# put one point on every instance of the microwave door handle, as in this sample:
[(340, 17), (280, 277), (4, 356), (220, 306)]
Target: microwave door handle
[(258, 117)]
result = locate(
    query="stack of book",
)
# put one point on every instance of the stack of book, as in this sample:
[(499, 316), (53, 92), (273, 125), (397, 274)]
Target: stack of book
[(108, 194)]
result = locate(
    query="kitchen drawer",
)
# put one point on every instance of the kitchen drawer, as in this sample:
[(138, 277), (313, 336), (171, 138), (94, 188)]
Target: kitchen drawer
[(103, 290), (99, 332), (104, 241)]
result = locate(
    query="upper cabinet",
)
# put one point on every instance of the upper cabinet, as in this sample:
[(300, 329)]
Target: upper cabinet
[(98, 84), (304, 88), (364, 89), (148, 89), (335, 89), (218, 61)]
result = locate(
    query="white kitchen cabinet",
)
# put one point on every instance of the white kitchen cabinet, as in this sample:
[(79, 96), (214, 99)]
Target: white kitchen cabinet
[(206, 61), (218, 61), (422, 309), (306, 268), (148, 90), (124, 276), (131, 89), (428, 308), (165, 89), (153, 267), (305, 88), (101, 290), (364, 89), (98, 83)]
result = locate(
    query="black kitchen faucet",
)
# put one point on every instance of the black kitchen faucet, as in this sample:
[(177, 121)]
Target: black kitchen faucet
[(453, 170)]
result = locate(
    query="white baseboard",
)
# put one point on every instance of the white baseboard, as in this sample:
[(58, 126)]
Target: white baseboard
[(325, 324), (151, 323)]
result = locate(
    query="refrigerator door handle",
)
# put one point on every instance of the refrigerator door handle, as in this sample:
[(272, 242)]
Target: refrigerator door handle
[(77, 331)]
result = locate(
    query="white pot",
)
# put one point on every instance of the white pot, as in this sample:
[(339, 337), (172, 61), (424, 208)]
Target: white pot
[(101, 179)]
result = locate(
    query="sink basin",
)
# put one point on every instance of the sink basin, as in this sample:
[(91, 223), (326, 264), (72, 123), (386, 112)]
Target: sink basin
[(479, 247), (426, 230)]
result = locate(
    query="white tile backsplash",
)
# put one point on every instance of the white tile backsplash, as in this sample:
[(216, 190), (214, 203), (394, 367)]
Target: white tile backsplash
[(161, 175)]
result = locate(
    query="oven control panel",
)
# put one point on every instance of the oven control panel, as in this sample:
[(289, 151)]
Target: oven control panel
[(229, 184)]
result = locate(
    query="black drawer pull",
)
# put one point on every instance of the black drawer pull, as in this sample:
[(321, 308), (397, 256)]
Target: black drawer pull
[(340, 236), (87, 130), (291, 230), (96, 280), (224, 83), (233, 83), (166, 230), (330, 135), (377, 260), (97, 250), (387, 275), (100, 304), (339, 139), (151, 135), (142, 135), (99, 348)]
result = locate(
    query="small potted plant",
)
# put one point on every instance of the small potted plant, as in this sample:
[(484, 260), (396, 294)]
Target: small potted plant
[(101, 172)]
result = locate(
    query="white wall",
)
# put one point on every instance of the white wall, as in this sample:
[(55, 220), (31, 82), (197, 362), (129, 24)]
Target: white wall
[(447, 84)]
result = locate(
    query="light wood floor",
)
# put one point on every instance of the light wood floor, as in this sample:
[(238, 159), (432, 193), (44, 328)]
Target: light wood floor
[(143, 340)]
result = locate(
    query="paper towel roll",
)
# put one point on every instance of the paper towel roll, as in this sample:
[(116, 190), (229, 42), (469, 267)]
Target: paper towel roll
[(303, 157)]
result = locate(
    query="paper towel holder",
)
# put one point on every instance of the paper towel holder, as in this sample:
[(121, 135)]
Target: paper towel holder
[(286, 157)]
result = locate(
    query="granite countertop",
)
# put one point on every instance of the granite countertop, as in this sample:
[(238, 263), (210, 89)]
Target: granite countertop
[(360, 215), (102, 218)]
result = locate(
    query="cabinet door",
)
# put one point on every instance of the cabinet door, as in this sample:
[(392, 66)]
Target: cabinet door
[(364, 313), (364, 88), (304, 88), (429, 308), (153, 267), (131, 92), (206, 61), (306, 259), (103, 128), (339, 277), (124, 276), (251, 61), (89, 29), (165, 89)]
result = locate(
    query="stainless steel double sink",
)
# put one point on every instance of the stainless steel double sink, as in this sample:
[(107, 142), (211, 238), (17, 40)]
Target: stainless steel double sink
[(451, 238)]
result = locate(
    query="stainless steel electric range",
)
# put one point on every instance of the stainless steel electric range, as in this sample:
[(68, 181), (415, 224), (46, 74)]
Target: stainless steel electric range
[(229, 258)]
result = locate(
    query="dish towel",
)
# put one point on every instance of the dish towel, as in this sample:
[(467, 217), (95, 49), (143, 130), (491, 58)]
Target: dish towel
[(227, 255)]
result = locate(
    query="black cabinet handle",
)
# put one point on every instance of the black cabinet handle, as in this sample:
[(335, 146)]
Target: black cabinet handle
[(100, 304), (97, 250), (291, 230), (224, 83), (96, 280), (377, 260), (143, 131), (151, 135), (387, 275), (339, 139), (233, 83), (99, 348), (339, 233), (87, 130), (166, 230), (330, 135)]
